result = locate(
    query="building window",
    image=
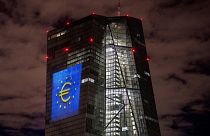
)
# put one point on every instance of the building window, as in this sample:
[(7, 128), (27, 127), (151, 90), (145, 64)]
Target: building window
[(88, 80)]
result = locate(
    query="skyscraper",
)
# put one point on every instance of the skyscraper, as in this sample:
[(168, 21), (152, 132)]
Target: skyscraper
[(98, 79)]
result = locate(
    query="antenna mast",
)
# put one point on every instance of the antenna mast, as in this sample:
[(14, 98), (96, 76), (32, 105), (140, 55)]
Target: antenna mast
[(119, 8)]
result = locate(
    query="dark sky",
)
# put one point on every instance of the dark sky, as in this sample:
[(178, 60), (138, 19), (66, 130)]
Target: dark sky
[(177, 34)]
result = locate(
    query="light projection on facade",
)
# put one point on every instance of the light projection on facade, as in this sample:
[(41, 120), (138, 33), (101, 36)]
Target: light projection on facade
[(66, 92)]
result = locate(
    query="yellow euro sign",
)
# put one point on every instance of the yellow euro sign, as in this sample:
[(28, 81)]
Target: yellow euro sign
[(64, 92)]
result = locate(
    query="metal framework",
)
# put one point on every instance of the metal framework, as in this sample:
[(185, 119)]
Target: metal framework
[(116, 95), (123, 100)]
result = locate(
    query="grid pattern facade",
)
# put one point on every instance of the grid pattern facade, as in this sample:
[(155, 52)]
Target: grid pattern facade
[(90, 120), (124, 110), (116, 95)]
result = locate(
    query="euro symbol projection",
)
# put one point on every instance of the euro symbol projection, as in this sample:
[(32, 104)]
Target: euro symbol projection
[(64, 92)]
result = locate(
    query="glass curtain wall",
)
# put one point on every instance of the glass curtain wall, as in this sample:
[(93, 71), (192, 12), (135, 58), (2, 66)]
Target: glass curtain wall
[(124, 111)]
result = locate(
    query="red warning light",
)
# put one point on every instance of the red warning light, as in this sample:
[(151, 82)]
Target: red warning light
[(133, 50), (141, 18), (46, 57), (93, 13), (46, 31), (127, 14), (91, 39), (147, 58), (67, 23), (66, 49)]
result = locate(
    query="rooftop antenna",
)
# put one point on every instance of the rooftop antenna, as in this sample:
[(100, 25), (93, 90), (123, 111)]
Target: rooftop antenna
[(119, 8)]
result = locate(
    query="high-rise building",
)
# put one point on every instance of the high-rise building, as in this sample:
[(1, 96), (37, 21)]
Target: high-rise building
[(98, 79)]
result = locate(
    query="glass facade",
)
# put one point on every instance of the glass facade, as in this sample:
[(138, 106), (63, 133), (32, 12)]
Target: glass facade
[(116, 96), (90, 118), (124, 110)]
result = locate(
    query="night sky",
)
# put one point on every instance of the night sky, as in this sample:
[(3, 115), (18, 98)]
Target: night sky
[(177, 34)]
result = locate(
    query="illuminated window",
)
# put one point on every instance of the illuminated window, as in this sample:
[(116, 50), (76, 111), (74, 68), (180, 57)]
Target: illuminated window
[(147, 73), (137, 75), (88, 80), (124, 128)]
